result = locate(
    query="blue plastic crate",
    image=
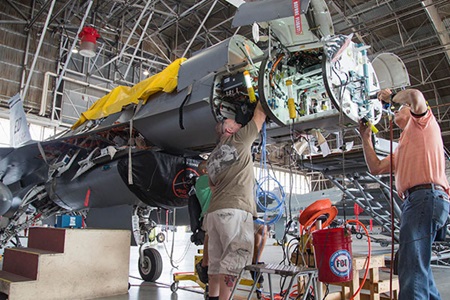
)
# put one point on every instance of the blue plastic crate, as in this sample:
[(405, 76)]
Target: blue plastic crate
[(66, 221)]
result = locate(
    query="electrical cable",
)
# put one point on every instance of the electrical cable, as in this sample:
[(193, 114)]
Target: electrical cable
[(265, 178), (368, 256), (274, 66), (286, 250), (175, 262), (391, 196), (291, 177)]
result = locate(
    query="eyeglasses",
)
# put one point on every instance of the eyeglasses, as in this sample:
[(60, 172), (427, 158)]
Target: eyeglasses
[(394, 109)]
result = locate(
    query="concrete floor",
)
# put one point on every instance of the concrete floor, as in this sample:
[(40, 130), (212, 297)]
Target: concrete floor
[(184, 253)]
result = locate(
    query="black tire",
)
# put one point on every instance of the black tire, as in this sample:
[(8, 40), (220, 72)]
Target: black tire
[(174, 287), (359, 235), (151, 268), (384, 244), (160, 237)]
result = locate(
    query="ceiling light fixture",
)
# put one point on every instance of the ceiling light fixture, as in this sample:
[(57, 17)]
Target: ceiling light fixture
[(88, 44)]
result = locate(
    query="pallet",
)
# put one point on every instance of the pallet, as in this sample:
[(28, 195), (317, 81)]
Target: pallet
[(376, 287)]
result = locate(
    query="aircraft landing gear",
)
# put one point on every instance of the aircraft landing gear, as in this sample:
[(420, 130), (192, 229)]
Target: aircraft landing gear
[(150, 264)]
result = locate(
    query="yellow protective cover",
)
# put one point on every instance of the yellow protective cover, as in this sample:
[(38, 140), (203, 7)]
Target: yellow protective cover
[(121, 96)]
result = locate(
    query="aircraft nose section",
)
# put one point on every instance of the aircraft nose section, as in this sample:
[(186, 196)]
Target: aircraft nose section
[(5, 199)]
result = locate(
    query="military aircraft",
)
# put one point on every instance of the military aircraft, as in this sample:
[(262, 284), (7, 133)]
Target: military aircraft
[(143, 153)]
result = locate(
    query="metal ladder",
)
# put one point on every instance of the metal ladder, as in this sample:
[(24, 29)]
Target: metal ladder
[(282, 270)]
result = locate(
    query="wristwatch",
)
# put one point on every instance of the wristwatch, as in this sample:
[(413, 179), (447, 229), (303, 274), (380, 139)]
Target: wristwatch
[(393, 95)]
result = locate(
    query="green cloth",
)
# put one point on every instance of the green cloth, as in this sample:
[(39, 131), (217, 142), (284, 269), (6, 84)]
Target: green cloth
[(203, 193)]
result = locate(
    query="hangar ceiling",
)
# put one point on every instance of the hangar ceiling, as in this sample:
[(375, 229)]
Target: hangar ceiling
[(37, 36)]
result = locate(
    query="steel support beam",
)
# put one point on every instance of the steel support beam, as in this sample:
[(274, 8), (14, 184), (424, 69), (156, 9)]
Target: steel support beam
[(19, 11), (124, 47), (199, 28), (39, 13), (23, 93), (438, 25), (138, 45)]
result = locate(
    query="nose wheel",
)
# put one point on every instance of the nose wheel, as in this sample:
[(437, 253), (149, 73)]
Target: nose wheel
[(150, 264)]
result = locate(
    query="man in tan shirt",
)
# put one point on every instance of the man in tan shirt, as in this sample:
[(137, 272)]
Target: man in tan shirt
[(229, 220)]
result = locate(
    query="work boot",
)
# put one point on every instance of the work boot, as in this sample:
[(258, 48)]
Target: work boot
[(202, 272), (255, 275)]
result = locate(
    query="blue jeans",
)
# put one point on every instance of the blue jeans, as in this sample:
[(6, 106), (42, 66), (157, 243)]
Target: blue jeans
[(423, 213)]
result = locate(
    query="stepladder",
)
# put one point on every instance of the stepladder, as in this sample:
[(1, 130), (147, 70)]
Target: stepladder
[(290, 272)]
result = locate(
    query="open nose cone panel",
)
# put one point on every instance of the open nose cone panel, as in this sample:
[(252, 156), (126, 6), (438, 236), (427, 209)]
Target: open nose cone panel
[(323, 86), (313, 78), (391, 70)]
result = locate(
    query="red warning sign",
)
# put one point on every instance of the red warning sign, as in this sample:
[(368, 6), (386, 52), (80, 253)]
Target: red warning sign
[(297, 16)]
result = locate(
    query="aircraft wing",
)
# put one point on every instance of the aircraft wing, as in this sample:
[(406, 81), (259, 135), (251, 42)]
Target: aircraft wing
[(19, 163)]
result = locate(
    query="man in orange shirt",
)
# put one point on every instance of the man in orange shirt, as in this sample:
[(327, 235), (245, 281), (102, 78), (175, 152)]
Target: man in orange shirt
[(419, 168)]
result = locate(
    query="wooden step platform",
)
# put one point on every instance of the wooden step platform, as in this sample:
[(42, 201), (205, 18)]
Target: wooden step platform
[(377, 285), (67, 264)]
